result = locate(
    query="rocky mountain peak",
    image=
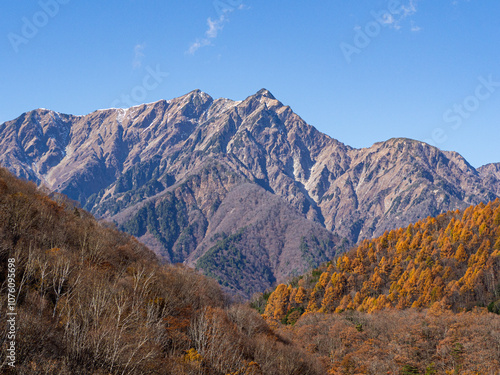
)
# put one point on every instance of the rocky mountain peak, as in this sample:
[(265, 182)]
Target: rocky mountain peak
[(492, 168), (198, 95), (264, 93), (239, 184), (491, 174)]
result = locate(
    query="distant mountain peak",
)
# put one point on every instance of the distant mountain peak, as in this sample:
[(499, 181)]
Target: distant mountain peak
[(265, 93), (198, 96), (198, 92)]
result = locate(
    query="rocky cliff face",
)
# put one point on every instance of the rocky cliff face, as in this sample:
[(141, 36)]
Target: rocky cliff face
[(246, 191)]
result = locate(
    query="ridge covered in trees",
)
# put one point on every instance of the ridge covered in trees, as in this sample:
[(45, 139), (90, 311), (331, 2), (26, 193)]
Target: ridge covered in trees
[(421, 299), (453, 260)]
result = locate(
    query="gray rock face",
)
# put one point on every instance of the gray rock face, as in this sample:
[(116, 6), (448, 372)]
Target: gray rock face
[(246, 191)]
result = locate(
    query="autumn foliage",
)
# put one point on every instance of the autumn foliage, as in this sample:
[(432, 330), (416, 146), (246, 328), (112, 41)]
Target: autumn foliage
[(449, 264), (453, 260)]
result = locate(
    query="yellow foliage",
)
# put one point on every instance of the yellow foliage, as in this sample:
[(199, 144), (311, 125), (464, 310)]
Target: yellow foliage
[(301, 295), (192, 356), (278, 302), (460, 254)]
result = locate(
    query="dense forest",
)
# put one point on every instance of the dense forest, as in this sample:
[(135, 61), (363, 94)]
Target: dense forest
[(93, 300), (433, 289)]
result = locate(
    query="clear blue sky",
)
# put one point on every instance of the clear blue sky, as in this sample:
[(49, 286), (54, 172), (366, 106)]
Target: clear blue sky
[(412, 71)]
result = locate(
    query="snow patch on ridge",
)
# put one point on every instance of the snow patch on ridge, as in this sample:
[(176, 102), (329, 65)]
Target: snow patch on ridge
[(150, 125)]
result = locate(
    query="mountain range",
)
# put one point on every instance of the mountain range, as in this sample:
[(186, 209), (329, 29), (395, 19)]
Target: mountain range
[(245, 191)]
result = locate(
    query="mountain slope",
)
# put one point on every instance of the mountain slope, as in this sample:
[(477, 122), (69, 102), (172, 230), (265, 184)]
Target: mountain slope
[(163, 170), (452, 261), (89, 299), (421, 299)]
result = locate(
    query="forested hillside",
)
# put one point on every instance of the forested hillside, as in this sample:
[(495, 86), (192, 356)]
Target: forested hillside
[(421, 299), (453, 260), (92, 300)]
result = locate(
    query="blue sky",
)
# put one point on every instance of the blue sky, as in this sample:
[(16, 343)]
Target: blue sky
[(360, 71)]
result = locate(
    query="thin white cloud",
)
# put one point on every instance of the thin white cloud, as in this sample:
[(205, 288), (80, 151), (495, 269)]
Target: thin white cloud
[(214, 27), (138, 55), (194, 47), (197, 45)]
